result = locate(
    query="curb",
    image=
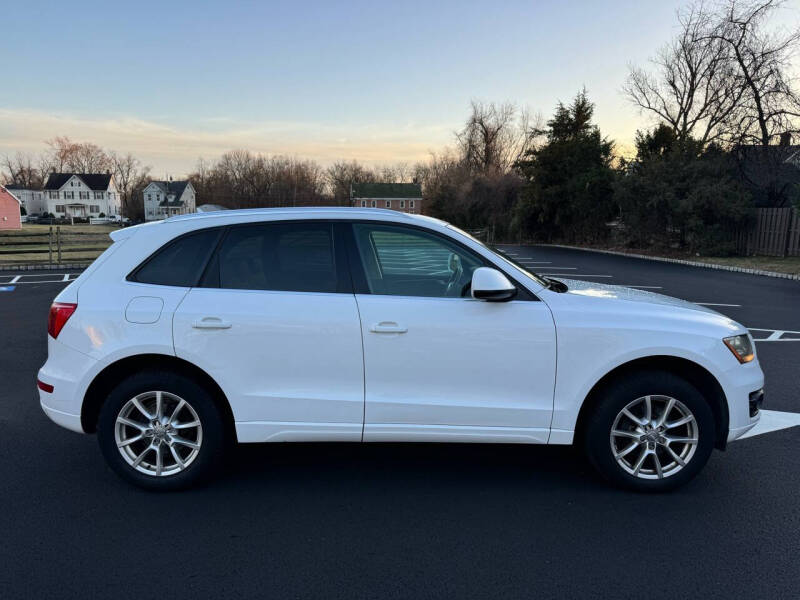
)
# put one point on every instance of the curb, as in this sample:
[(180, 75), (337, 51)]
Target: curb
[(679, 261), (44, 267)]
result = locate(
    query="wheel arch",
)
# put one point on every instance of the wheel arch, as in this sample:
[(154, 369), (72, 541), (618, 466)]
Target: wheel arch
[(705, 382), (105, 380)]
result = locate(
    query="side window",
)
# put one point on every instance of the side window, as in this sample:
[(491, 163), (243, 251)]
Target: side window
[(401, 261), (291, 257), (180, 262)]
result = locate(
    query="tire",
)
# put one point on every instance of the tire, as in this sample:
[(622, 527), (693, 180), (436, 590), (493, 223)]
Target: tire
[(616, 457), (175, 454)]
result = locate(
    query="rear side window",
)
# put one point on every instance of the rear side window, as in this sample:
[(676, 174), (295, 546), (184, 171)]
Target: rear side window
[(180, 262), (292, 257)]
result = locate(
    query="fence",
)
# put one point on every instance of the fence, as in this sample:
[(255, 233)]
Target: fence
[(776, 233), (54, 246)]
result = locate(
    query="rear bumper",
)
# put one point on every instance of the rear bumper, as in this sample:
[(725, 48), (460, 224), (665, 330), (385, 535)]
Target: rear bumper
[(65, 370)]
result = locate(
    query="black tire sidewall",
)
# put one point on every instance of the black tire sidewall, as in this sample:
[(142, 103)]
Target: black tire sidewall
[(211, 449), (623, 391)]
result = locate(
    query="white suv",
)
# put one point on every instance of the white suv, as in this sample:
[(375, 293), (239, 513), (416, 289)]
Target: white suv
[(290, 325)]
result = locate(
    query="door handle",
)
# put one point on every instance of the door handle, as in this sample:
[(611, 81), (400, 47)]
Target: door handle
[(211, 323), (388, 327)]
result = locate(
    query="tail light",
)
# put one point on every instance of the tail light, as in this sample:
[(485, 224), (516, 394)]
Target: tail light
[(60, 312)]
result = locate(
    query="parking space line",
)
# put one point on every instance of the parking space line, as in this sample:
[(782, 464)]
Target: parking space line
[(716, 304), (15, 279), (776, 335), (562, 268), (66, 277), (643, 287), (534, 262), (578, 275)]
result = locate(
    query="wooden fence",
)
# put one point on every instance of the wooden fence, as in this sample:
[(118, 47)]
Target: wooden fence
[(776, 233), (54, 246)]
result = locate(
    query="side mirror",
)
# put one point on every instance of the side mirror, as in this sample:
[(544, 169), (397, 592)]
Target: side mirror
[(491, 285)]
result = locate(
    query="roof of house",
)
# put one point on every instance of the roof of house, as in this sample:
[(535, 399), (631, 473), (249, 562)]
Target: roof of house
[(16, 186), (169, 188), (386, 190), (95, 181)]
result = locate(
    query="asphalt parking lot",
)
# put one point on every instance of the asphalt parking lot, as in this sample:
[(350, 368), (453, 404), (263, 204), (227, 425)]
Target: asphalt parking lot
[(407, 521)]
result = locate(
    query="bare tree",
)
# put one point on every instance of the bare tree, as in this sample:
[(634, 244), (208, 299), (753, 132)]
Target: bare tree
[(77, 157), (691, 87), (20, 169), (130, 177), (762, 64), (494, 137)]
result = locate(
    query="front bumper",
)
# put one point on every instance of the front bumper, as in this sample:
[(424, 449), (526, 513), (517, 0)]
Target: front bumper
[(745, 393)]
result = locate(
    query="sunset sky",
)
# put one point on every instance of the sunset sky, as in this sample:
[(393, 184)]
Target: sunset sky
[(378, 82)]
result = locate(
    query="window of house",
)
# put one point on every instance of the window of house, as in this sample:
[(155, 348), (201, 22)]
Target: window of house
[(149, 197), (402, 203), (364, 204), (374, 204), (59, 208), (69, 195), (290, 257), (388, 204), (402, 261), (98, 195), (95, 208), (180, 262), (83, 195), (53, 195), (411, 204)]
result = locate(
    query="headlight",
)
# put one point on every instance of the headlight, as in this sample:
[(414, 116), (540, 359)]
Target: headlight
[(741, 346)]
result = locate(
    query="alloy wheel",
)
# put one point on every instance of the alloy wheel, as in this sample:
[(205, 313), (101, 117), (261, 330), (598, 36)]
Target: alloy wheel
[(654, 437), (158, 433)]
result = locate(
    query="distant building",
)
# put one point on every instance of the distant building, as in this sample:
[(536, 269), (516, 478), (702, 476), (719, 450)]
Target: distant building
[(164, 199), (404, 197), (81, 195), (9, 210), (33, 201)]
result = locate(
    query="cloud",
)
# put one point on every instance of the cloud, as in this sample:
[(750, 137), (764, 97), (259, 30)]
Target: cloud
[(176, 149)]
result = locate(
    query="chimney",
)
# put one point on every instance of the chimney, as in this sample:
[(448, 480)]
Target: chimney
[(786, 139)]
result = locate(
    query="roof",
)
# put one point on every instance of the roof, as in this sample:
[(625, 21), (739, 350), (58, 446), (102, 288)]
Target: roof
[(172, 187), (95, 181), (386, 190), (16, 186), (204, 208)]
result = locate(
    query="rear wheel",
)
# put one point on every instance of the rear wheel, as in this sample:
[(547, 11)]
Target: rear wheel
[(161, 431), (651, 431)]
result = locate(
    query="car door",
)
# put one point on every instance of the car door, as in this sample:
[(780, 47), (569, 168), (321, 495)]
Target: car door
[(275, 323), (440, 365)]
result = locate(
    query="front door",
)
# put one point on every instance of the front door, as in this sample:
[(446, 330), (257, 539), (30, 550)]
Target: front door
[(275, 323), (440, 365)]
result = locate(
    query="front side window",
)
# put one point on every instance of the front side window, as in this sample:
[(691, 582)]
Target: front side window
[(290, 257), (402, 261), (180, 262)]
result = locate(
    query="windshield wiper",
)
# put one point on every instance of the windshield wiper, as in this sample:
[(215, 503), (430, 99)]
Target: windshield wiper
[(555, 285)]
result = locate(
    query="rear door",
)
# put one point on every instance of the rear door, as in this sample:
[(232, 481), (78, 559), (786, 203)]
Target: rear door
[(275, 322)]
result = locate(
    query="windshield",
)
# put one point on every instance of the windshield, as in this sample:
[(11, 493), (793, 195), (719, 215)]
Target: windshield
[(537, 278)]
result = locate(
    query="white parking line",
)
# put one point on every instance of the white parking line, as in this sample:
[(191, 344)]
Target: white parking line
[(773, 420), (562, 268), (716, 304), (776, 335), (643, 287), (577, 275), (15, 279)]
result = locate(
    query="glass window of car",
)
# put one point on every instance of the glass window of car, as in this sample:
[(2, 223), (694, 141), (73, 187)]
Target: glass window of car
[(179, 263), (292, 257), (403, 261)]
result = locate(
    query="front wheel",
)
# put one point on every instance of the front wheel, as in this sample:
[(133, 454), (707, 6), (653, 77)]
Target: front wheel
[(161, 431), (651, 431)]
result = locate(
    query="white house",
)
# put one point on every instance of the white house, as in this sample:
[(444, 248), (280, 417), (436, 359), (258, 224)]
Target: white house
[(33, 201), (164, 199), (81, 195)]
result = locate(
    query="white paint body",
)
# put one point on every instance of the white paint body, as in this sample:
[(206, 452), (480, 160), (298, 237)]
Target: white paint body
[(347, 367)]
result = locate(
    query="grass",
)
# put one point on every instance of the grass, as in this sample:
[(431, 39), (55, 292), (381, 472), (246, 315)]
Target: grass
[(790, 264)]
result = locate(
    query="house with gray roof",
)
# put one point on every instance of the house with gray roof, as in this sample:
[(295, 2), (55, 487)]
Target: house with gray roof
[(403, 197), (163, 199)]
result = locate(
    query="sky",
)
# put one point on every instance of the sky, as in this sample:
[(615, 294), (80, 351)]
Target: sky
[(380, 82)]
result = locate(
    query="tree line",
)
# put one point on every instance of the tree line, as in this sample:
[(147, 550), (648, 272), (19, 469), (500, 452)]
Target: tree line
[(724, 107)]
